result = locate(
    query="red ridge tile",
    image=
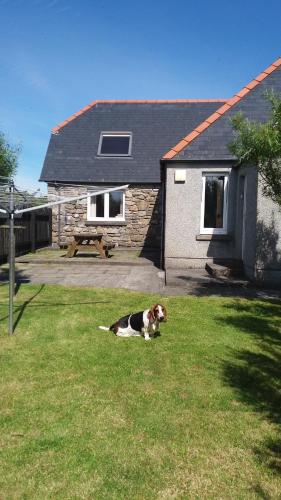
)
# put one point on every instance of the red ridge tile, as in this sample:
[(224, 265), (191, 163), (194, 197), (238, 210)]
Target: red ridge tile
[(180, 145), (233, 100), (277, 63), (252, 84), (170, 155), (242, 92), (261, 77), (190, 137), (201, 127), (222, 110), (270, 69), (213, 118), (131, 101)]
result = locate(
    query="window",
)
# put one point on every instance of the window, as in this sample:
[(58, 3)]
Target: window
[(107, 207), (214, 204), (115, 144)]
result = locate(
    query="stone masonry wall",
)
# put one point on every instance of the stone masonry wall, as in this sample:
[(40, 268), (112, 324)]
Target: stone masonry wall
[(143, 217)]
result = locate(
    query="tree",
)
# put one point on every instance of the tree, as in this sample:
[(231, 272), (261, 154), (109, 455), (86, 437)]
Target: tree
[(259, 144), (8, 157)]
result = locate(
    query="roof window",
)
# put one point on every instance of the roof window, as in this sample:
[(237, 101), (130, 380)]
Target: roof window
[(115, 144)]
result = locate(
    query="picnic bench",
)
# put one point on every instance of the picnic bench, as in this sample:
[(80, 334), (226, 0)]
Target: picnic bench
[(92, 242)]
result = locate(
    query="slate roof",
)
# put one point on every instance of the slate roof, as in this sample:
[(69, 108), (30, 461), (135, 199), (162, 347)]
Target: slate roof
[(210, 140), (155, 126)]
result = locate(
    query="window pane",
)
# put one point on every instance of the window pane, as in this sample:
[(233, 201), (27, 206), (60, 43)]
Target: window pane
[(99, 205), (115, 145), (116, 204), (214, 200)]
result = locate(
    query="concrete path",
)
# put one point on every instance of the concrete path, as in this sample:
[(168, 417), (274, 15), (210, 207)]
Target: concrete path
[(199, 282), (143, 278)]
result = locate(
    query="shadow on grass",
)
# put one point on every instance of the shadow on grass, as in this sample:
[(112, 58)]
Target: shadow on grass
[(26, 303), (255, 373), (19, 309)]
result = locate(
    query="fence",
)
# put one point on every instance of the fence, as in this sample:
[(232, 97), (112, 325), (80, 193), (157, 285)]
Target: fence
[(32, 230)]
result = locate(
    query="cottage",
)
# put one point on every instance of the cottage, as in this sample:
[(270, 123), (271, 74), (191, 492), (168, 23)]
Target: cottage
[(187, 197)]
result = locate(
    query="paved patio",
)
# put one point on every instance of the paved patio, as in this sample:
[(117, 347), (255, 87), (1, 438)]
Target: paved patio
[(145, 278), (141, 276), (199, 282)]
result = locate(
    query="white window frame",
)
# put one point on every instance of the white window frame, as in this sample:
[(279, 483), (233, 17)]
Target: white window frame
[(106, 217), (214, 230), (115, 134)]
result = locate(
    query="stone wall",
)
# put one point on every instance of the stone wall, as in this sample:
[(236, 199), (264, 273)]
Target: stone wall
[(143, 217)]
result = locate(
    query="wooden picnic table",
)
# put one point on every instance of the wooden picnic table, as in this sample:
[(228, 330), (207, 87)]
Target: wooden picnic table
[(89, 241)]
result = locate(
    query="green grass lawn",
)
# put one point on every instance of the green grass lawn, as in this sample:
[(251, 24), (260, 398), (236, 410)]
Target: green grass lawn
[(195, 413)]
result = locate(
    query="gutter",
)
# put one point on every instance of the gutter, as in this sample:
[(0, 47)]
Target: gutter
[(163, 226)]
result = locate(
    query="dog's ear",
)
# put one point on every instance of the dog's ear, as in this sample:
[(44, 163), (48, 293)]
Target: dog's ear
[(150, 316), (151, 313), (164, 312), (155, 310)]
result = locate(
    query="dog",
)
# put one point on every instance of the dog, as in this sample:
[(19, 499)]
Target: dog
[(141, 323)]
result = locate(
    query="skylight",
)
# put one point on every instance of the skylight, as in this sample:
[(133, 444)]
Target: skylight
[(115, 144)]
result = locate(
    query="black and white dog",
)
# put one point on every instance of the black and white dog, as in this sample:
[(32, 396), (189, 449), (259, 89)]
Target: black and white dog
[(141, 323)]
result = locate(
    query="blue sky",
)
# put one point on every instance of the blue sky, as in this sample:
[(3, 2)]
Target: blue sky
[(56, 56)]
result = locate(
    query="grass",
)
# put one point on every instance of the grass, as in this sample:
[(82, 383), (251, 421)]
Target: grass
[(195, 413)]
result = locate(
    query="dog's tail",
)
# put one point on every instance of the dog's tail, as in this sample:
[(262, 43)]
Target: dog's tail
[(104, 328)]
